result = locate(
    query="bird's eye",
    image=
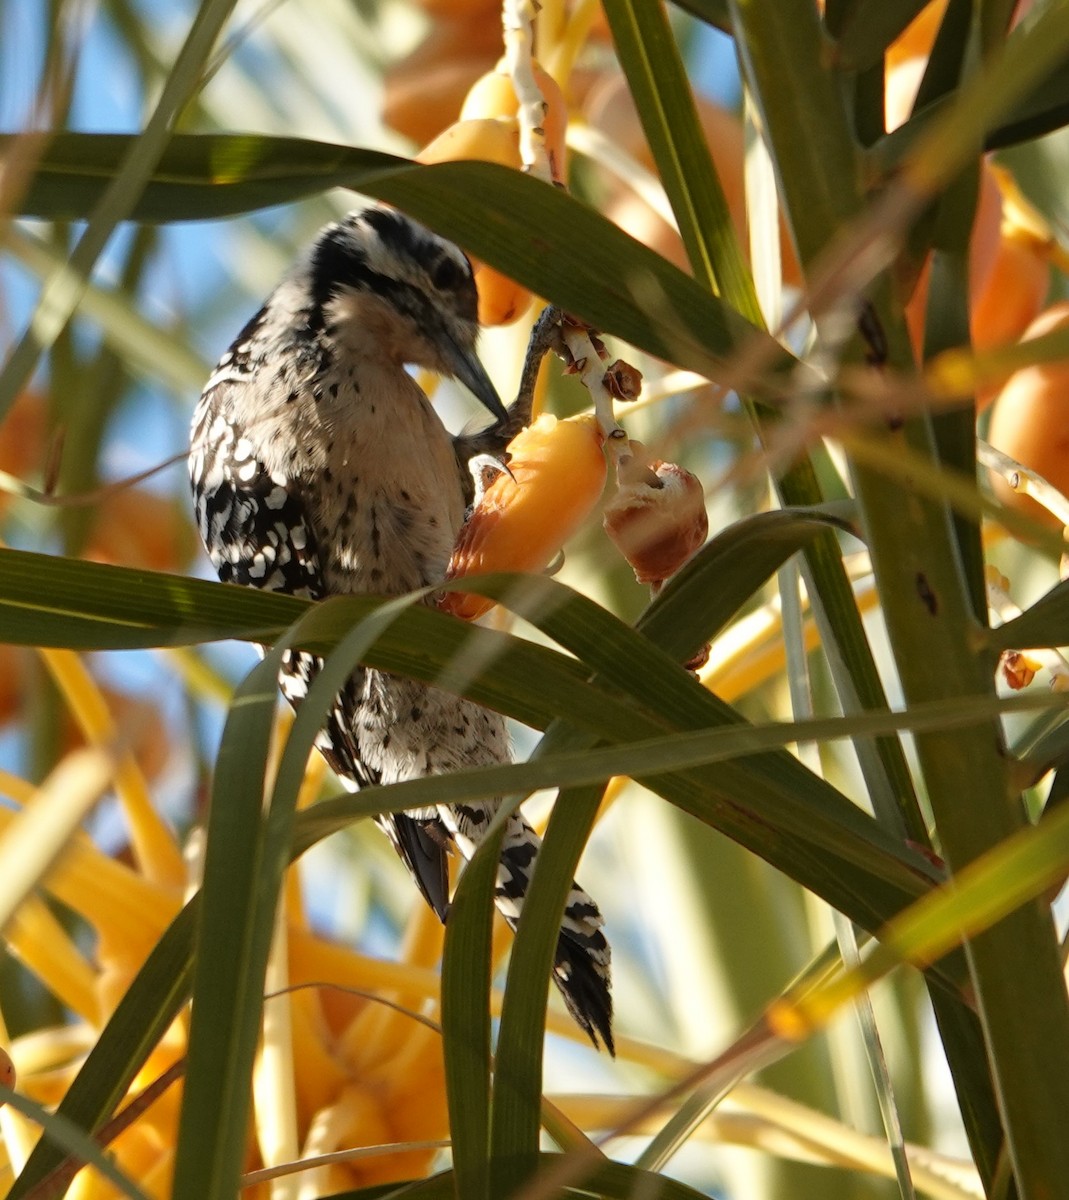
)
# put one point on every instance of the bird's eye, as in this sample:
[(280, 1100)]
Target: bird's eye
[(447, 275)]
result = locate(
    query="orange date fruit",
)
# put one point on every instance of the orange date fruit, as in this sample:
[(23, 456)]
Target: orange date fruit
[(556, 474)]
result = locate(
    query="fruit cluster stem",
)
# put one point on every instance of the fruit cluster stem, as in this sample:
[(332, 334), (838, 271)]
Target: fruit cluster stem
[(517, 19)]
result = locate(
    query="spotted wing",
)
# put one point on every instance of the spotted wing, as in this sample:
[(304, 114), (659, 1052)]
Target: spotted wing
[(255, 528)]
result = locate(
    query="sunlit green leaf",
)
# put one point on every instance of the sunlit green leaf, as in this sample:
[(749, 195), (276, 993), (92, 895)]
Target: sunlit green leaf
[(1045, 623), (543, 237)]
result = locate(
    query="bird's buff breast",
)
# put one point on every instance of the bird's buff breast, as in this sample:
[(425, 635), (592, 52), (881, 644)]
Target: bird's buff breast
[(393, 502)]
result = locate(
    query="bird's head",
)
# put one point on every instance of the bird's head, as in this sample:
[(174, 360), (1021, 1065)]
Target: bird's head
[(411, 291)]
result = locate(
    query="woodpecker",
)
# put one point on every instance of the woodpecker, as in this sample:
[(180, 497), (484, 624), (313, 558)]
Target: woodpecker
[(319, 468)]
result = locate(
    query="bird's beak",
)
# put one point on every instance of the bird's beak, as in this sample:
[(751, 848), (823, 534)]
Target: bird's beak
[(470, 371)]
